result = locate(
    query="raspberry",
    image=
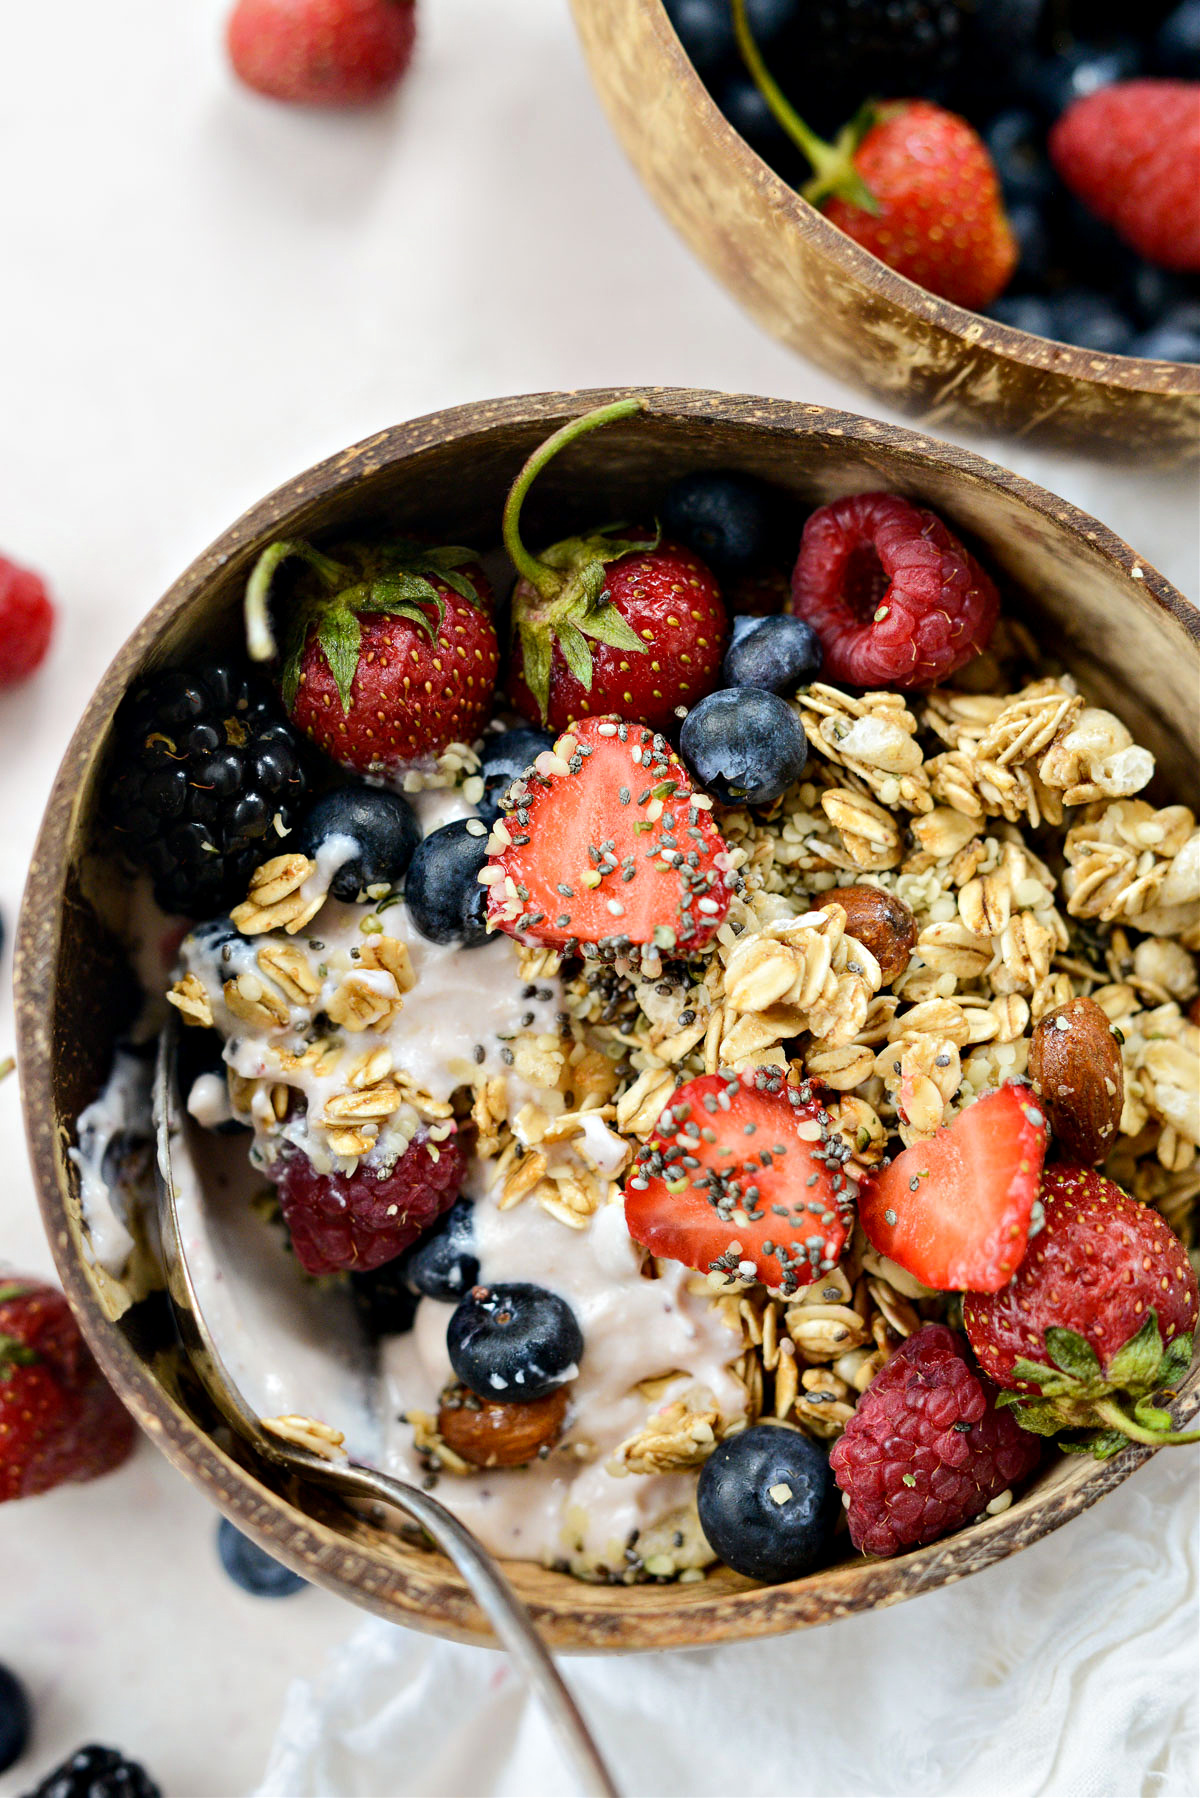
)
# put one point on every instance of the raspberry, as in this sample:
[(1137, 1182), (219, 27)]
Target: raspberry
[(26, 622), (926, 1450), (895, 598), (360, 1220)]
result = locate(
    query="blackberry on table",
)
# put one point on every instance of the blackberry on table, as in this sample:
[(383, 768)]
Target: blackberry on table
[(96, 1772), (207, 773)]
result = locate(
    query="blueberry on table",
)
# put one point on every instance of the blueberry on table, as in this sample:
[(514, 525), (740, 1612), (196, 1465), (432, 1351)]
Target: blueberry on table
[(16, 1719), (1176, 47), (727, 517), (252, 1568), (382, 826), (768, 1502), (744, 745), (504, 759), (97, 1772), (778, 653), (1091, 321), (443, 1264), (515, 1342), (444, 898)]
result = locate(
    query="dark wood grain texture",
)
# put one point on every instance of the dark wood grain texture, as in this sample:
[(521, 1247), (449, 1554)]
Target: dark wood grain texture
[(810, 285), (1113, 617)]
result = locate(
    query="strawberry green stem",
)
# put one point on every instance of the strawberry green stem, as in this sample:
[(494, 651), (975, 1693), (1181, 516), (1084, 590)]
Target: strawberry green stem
[(260, 638), (547, 580), (832, 165), (1116, 1419)]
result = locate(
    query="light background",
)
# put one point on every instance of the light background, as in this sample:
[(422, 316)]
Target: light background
[(200, 294)]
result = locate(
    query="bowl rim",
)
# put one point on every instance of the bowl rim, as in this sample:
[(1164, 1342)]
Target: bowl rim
[(716, 1610), (973, 330)]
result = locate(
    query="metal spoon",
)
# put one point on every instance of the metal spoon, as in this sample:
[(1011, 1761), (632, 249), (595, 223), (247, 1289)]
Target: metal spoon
[(495, 1597)]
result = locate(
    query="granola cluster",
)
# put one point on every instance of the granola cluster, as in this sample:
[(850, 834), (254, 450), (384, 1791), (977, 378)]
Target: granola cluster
[(1000, 828)]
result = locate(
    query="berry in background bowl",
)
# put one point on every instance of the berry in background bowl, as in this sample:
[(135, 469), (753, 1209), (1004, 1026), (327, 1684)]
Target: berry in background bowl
[(941, 245), (736, 1091)]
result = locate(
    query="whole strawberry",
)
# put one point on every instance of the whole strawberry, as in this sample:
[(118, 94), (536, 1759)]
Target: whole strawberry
[(927, 1449), (26, 622), (1131, 152), (322, 52), (910, 182), (606, 622), (59, 1419), (1098, 1317), (390, 652)]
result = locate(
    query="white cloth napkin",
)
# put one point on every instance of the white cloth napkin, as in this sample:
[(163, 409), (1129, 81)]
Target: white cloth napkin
[(1071, 1670)]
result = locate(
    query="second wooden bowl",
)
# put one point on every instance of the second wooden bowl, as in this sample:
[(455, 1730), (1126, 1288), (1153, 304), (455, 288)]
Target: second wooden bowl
[(811, 285), (1112, 618)]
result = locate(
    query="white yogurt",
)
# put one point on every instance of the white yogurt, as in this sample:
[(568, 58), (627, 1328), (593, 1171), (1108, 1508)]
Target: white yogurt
[(105, 1198)]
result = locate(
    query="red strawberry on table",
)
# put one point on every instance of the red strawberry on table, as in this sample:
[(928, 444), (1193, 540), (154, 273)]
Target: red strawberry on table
[(1099, 1317), (604, 843), (59, 1418), (1131, 152), (743, 1176), (390, 651), (927, 1448), (910, 182), (26, 622), (954, 1210), (362, 1220), (322, 52), (608, 622), (895, 598)]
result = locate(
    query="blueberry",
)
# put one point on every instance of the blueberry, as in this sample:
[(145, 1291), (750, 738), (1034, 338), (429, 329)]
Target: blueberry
[(1176, 49), (705, 29), (778, 653), (1025, 312), (1053, 83), (16, 1719), (1149, 292), (1017, 145), (768, 1502), (384, 1300), (1168, 343), (442, 1264), (726, 517), (1034, 243), (445, 900), (382, 826), (743, 105), (744, 745), (504, 759), (1091, 321), (252, 1568), (516, 1342)]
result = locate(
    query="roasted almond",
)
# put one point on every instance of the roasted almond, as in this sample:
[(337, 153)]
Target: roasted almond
[(491, 1435), (1076, 1070), (880, 922)]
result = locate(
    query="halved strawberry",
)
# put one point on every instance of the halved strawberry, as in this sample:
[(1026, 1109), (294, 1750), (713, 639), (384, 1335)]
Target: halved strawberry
[(954, 1210), (605, 842), (743, 1175)]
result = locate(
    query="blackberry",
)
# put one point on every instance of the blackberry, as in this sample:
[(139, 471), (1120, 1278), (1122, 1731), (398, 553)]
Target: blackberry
[(95, 1772), (884, 49), (206, 774)]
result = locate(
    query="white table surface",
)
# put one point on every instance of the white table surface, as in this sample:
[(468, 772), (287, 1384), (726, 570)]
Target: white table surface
[(201, 294)]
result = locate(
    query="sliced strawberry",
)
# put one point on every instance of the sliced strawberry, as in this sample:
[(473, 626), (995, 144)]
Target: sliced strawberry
[(954, 1210), (605, 842), (743, 1175)]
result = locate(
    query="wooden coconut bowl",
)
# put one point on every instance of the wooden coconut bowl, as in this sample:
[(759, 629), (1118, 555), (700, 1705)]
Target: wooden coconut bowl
[(1132, 638), (810, 285)]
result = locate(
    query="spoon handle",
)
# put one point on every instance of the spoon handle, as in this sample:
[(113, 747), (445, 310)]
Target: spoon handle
[(500, 1605)]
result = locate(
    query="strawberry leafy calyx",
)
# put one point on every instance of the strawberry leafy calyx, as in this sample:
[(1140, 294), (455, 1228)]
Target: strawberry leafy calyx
[(13, 1354), (1100, 1409), (399, 578), (573, 609)]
